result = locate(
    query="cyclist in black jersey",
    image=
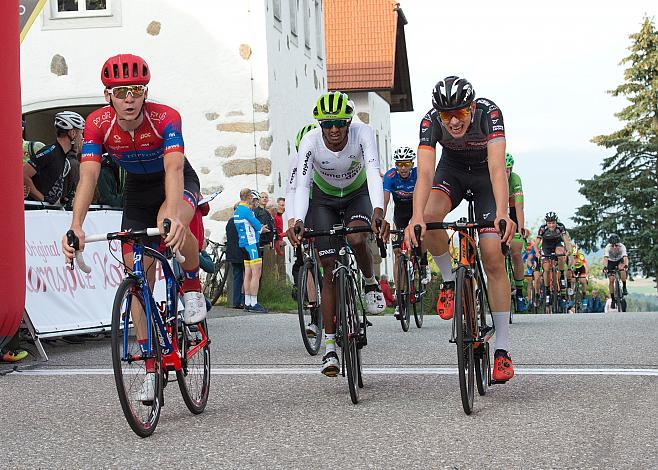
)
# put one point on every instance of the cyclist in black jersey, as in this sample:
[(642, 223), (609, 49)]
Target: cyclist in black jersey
[(553, 237), (472, 134)]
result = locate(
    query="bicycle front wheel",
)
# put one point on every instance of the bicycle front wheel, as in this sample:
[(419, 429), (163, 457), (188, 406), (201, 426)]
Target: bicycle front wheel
[(194, 375), (308, 307), (481, 353), (402, 290), (419, 294), (464, 319), (131, 366), (349, 324)]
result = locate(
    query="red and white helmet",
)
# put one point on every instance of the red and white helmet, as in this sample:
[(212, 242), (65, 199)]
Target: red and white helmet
[(125, 69)]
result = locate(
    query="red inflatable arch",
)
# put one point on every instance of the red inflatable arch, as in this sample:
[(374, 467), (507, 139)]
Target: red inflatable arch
[(12, 233)]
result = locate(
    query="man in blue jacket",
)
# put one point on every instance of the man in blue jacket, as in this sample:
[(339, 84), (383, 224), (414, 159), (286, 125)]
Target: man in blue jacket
[(249, 229)]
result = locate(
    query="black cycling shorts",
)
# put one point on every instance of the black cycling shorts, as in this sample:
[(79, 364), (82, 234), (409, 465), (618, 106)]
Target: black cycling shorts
[(578, 272), (326, 212), (455, 179), (144, 194), (401, 216), (612, 266), (549, 248)]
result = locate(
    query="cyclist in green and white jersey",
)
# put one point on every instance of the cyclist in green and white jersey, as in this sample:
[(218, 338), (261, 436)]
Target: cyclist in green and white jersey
[(339, 165), (516, 213)]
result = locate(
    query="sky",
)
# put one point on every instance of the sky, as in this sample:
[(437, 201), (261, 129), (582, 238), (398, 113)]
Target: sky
[(547, 67)]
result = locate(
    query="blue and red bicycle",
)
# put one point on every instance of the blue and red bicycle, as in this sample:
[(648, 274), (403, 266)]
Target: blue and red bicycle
[(171, 346)]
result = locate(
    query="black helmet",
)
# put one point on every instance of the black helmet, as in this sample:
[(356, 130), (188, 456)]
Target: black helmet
[(614, 239), (551, 217), (452, 93)]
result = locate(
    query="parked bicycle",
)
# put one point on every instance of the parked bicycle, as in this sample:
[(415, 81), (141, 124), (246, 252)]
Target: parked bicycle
[(351, 321), (171, 346), (214, 282)]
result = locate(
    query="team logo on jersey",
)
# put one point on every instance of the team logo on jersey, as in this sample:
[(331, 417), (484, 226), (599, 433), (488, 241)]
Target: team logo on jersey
[(116, 138), (494, 115), (425, 123), (145, 135)]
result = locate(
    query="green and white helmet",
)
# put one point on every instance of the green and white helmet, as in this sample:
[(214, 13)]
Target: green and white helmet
[(333, 105), (302, 132), (509, 160)]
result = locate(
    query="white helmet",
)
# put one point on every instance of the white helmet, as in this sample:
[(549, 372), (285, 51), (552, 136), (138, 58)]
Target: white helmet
[(67, 120), (404, 154)]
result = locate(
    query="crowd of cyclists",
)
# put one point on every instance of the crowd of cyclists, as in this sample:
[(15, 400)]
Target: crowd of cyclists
[(335, 178)]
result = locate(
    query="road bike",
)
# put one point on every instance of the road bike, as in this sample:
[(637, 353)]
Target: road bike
[(470, 331), (618, 292), (214, 282), (554, 301), (171, 345), (309, 297), (351, 320), (410, 289), (509, 267)]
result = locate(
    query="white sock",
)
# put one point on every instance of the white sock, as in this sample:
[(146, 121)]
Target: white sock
[(370, 281), (254, 299), (248, 301), (501, 323), (444, 263), (330, 342)]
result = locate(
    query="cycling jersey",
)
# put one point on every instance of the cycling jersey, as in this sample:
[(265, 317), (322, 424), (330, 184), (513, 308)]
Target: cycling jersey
[(515, 189), (51, 166), (247, 225), (338, 174), (402, 189), (471, 149), (532, 256), (138, 151), (579, 261), (615, 253), (551, 239), (291, 185)]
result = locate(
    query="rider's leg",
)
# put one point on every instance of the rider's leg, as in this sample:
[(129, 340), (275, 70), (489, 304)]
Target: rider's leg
[(561, 262), (256, 268), (516, 247), (396, 260), (246, 284), (358, 243), (438, 206)]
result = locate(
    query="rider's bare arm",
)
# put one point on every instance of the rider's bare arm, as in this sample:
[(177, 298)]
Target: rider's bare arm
[(499, 183)]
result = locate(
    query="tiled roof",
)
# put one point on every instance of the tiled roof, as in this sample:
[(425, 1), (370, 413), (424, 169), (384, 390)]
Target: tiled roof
[(360, 43)]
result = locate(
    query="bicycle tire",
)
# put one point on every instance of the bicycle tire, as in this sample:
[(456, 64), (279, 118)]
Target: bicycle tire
[(346, 309), (309, 315), (464, 311), (510, 276), (195, 393), (142, 417), (402, 292), (220, 280), (555, 299), (419, 293), (481, 355)]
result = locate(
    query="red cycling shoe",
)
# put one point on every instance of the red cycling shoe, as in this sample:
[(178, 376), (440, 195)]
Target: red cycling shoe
[(503, 369), (445, 305)]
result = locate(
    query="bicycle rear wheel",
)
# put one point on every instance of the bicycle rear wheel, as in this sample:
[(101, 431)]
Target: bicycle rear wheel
[(194, 375), (129, 363), (481, 353), (219, 280), (402, 292), (349, 321), (309, 313), (464, 331)]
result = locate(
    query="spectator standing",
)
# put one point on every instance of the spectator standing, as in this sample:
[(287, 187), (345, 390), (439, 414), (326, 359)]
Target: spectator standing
[(235, 257), (265, 218), (386, 290), (108, 190), (45, 174), (249, 229)]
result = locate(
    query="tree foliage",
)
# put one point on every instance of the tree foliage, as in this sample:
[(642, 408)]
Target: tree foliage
[(622, 198)]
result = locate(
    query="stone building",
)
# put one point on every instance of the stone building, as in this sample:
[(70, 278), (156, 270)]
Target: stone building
[(244, 75)]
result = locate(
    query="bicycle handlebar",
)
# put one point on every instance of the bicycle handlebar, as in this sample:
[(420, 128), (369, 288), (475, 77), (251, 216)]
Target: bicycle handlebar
[(464, 224), (128, 235)]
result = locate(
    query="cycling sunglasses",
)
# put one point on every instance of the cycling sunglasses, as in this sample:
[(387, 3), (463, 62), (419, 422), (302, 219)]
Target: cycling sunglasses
[(461, 114), (329, 123), (137, 91), (404, 164)]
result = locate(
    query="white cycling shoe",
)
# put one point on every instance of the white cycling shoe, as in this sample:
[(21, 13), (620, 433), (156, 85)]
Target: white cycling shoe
[(195, 307), (312, 330), (375, 303), (147, 392), (330, 364)]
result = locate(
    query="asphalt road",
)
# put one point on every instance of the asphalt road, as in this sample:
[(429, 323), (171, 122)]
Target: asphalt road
[(585, 396)]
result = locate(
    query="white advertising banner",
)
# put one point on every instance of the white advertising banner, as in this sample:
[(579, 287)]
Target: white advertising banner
[(58, 299)]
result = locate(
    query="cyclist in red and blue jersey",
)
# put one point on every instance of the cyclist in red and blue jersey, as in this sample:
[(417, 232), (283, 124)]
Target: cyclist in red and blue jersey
[(146, 140), (400, 182)]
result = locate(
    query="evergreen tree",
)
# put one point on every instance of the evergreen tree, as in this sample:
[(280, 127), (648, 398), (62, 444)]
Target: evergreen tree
[(622, 198)]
